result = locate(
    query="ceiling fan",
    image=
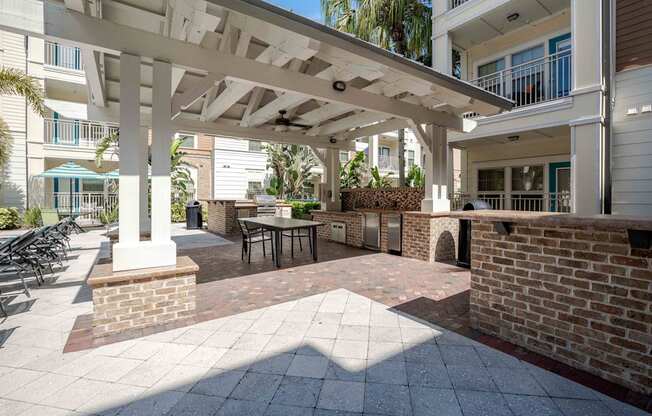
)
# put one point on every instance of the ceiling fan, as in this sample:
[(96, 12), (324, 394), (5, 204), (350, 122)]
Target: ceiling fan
[(284, 121)]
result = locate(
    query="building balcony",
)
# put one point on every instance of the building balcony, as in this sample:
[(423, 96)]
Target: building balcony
[(525, 201), (535, 82), (77, 134), (388, 163), (63, 57), (85, 205), (456, 3)]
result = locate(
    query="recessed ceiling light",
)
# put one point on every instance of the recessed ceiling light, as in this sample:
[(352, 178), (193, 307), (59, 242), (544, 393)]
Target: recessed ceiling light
[(513, 17)]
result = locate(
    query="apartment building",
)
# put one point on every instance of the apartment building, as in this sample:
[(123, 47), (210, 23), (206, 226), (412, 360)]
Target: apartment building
[(66, 134), (578, 139)]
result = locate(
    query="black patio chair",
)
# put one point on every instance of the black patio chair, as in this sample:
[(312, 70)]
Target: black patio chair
[(253, 235), (298, 234)]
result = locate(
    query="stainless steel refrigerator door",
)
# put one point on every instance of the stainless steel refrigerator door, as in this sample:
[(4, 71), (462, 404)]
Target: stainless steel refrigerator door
[(394, 232), (372, 230)]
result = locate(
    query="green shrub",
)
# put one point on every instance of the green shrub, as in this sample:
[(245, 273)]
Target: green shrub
[(109, 216), (303, 208), (178, 212), (9, 218), (32, 217)]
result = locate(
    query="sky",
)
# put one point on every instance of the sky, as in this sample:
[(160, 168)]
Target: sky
[(307, 8)]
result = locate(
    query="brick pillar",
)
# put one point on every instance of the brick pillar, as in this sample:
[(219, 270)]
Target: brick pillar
[(222, 217)]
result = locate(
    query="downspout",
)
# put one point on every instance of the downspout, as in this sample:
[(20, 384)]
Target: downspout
[(607, 71)]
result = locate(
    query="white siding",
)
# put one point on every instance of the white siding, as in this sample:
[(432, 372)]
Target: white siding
[(632, 144), (13, 112), (235, 167)]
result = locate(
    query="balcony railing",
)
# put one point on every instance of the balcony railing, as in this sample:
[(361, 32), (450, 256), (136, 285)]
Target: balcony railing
[(387, 162), (534, 82), (84, 134), (87, 205), (538, 202), (68, 57), (457, 3)]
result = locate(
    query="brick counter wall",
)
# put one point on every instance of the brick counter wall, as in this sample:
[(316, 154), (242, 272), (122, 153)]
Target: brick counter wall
[(430, 238), (579, 295), (353, 221)]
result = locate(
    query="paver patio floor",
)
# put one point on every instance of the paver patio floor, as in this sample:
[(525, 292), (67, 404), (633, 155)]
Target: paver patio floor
[(331, 353)]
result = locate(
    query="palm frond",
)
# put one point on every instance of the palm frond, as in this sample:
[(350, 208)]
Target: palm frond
[(105, 143), (5, 143), (15, 82)]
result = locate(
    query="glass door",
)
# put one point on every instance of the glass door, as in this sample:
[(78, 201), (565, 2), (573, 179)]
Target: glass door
[(560, 66), (560, 187)]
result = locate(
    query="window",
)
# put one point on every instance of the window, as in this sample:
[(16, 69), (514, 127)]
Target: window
[(456, 69), (188, 140), (344, 157), (254, 188), (255, 146), (491, 180), (92, 185), (383, 151), (527, 55), (410, 158), (491, 67), (527, 178), (528, 77)]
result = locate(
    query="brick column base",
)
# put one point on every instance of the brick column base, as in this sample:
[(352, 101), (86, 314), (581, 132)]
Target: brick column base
[(430, 237)]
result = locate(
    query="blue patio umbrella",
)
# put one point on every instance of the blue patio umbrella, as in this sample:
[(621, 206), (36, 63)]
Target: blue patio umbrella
[(70, 170)]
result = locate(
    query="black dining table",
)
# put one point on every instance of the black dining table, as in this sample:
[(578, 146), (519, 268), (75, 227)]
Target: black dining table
[(278, 225)]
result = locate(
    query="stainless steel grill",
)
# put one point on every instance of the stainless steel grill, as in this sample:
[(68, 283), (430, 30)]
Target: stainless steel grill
[(266, 205)]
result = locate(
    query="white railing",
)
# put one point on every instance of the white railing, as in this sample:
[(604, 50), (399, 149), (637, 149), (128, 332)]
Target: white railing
[(537, 81), (84, 134), (68, 57), (457, 3), (88, 205), (541, 202), (387, 162)]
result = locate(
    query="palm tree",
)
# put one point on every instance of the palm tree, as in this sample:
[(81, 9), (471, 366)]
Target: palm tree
[(15, 82), (401, 26), (291, 165)]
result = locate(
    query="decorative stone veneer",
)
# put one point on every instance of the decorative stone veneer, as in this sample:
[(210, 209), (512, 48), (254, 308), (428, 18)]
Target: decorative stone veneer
[(353, 221), (399, 199), (140, 298), (430, 236), (574, 291)]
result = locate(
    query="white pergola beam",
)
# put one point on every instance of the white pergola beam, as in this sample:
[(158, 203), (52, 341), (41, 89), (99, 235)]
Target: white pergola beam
[(422, 136), (374, 129), (195, 92)]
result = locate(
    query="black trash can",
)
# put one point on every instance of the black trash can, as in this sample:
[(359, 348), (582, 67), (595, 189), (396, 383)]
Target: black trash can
[(464, 243), (193, 215)]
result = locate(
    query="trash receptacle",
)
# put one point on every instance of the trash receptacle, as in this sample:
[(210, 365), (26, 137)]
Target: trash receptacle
[(193, 215), (464, 243)]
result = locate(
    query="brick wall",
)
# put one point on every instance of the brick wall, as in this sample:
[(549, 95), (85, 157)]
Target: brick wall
[(353, 221), (402, 199), (577, 294), (222, 217), (430, 237)]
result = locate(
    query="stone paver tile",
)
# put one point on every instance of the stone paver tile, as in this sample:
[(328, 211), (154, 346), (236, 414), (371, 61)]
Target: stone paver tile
[(251, 315), (332, 307), (328, 412), (40, 388), (166, 336), (320, 330), (257, 387), (204, 356), (265, 326), (16, 379), (470, 378), (578, 407), (384, 334), (299, 315), (460, 355), (353, 333), (418, 335), (113, 398), (356, 319), (382, 351), (434, 402), (350, 349), (51, 362), (196, 405), (112, 368), (316, 346), (193, 336), (298, 391), (523, 405), (237, 325), (172, 353), (142, 350), (623, 409), (237, 360), (253, 342), (308, 366), (342, 395), (387, 399), (76, 394), (17, 355), (281, 410), (293, 329), (218, 382), (45, 410), (483, 403), (387, 372), (80, 366), (180, 378), (222, 339), (423, 374), (327, 318), (114, 350), (283, 344), (213, 324), (272, 363), (515, 381), (423, 353), (494, 358), (274, 314), (558, 386), (446, 337), (156, 404), (146, 374), (233, 407), (407, 321), (384, 319), (13, 408), (346, 369)]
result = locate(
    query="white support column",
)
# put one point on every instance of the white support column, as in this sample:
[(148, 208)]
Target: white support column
[(586, 179), (143, 147), (331, 189), (436, 198), (372, 151)]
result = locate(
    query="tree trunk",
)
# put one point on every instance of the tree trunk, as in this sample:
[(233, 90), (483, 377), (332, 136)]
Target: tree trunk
[(401, 157)]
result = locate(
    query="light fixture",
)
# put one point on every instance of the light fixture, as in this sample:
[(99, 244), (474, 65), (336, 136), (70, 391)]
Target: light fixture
[(339, 86), (332, 140), (513, 17)]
